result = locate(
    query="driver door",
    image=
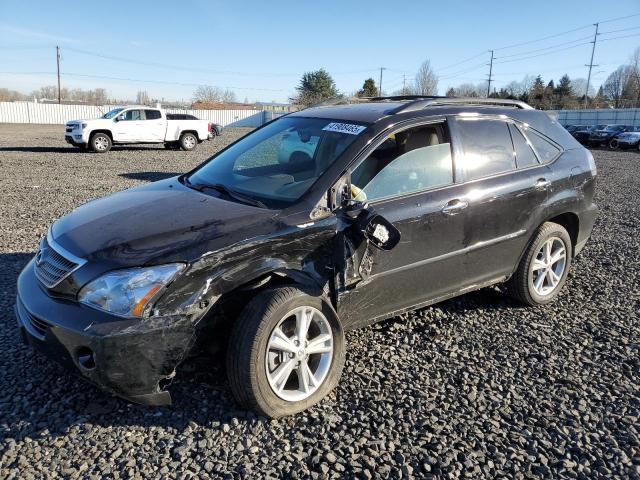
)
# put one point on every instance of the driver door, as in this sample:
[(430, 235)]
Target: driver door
[(409, 179), (129, 127)]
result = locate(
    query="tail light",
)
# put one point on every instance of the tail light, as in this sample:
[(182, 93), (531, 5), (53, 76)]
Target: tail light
[(210, 127)]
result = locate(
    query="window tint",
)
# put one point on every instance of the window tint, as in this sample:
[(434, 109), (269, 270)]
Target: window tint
[(524, 151), (152, 114), (487, 148), (546, 150), (409, 161), (133, 115)]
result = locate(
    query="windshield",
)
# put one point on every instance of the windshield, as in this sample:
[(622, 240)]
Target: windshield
[(614, 128), (112, 113), (277, 164)]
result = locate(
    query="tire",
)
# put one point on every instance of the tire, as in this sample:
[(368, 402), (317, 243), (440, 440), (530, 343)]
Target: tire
[(188, 141), (100, 142), (521, 285), (251, 353), (613, 144)]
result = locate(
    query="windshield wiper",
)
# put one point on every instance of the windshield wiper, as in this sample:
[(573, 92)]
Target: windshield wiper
[(236, 195), (219, 187)]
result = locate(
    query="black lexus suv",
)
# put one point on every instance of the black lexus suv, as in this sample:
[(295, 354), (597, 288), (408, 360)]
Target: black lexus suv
[(321, 221)]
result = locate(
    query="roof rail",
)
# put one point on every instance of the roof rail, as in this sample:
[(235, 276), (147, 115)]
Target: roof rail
[(440, 101), (395, 98)]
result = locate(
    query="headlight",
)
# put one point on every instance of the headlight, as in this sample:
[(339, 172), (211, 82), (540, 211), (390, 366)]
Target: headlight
[(84, 125), (130, 292)]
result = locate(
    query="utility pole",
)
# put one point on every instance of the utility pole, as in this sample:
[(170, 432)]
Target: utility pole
[(380, 84), (591, 65), (58, 63), (404, 82), (490, 74)]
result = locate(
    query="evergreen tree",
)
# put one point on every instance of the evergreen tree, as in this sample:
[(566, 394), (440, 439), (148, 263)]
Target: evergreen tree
[(369, 89), (315, 87)]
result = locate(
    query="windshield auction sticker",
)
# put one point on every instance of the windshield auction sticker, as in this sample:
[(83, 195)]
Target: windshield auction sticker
[(344, 128)]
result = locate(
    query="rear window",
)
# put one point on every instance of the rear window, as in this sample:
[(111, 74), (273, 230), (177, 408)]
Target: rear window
[(545, 150), (487, 147), (525, 157)]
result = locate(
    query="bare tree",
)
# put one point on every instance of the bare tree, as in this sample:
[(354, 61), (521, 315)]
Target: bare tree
[(613, 86), (7, 95), (207, 94), (228, 96), (426, 81), (142, 98)]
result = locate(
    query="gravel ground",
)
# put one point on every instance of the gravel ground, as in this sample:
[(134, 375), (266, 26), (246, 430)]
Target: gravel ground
[(475, 387)]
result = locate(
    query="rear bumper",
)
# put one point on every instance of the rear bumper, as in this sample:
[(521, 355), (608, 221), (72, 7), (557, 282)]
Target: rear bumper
[(129, 358), (587, 219)]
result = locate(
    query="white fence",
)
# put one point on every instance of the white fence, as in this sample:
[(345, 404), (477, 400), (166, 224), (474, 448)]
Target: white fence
[(52, 113), (625, 116)]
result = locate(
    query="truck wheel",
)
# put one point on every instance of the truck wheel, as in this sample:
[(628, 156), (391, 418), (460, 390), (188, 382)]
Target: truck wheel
[(544, 267), (188, 141), (286, 352), (100, 142)]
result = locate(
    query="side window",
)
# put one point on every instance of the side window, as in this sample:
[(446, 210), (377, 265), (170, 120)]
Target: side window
[(525, 157), (152, 114), (409, 161), (132, 115), (546, 150), (487, 147)]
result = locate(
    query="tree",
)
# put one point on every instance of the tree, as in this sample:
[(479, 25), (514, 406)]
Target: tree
[(536, 93), (369, 89), (7, 95), (613, 86), (210, 94), (426, 81), (142, 98), (315, 87)]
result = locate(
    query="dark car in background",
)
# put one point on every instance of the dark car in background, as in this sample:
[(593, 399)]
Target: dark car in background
[(582, 135), (575, 128), (275, 256), (607, 135), (627, 140)]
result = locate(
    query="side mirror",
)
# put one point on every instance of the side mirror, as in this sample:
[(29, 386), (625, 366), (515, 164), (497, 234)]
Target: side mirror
[(381, 232), (119, 118)]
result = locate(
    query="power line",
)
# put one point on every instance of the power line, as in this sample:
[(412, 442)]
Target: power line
[(616, 38), (545, 48), (620, 30), (462, 61), (543, 54), (124, 79)]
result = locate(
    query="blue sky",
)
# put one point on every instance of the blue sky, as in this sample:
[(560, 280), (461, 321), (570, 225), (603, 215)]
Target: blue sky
[(259, 49)]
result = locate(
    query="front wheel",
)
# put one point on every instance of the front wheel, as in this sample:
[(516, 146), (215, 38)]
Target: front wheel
[(188, 141), (100, 142), (286, 352), (544, 267), (613, 144)]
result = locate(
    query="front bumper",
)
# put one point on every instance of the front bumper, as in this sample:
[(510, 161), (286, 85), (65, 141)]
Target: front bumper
[(75, 137), (626, 145), (130, 358)]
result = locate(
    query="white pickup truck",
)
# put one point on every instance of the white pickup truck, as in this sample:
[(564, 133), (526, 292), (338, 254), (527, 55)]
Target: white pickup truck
[(137, 124)]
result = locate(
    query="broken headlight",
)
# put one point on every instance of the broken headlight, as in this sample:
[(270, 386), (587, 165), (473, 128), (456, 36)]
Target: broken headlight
[(130, 292)]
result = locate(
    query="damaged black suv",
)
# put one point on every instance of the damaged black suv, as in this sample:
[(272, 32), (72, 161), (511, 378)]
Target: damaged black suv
[(321, 221)]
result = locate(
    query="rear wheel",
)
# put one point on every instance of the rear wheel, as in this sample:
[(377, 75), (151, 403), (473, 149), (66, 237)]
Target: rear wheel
[(544, 267), (188, 141), (100, 142), (286, 352)]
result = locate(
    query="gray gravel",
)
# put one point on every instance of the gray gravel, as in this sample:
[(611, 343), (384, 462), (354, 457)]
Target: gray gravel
[(476, 387)]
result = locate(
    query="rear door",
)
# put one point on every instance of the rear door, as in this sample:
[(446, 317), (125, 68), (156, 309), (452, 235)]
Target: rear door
[(154, 126), (506, 187)]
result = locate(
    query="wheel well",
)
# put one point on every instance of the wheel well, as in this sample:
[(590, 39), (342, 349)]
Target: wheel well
[(107, 132), (571, 223), (219, 320), (190, 131)]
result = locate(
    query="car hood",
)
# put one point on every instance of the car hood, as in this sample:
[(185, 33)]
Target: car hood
[(160, 221)]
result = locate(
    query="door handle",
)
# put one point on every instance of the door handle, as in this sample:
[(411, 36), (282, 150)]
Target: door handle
[(542, 184), (454, 207)]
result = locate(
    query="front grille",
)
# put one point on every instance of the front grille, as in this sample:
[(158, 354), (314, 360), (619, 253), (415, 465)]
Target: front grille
[(38, 326), (51, 266)]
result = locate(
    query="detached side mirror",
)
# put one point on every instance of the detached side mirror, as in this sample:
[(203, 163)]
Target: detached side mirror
[(381, 232)]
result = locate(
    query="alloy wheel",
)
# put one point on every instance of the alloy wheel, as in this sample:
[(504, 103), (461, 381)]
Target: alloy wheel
[(299, 354), (548, 266), (101, 144)]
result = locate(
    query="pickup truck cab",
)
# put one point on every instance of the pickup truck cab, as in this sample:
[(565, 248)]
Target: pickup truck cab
[(381, 207), (137, 124)]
